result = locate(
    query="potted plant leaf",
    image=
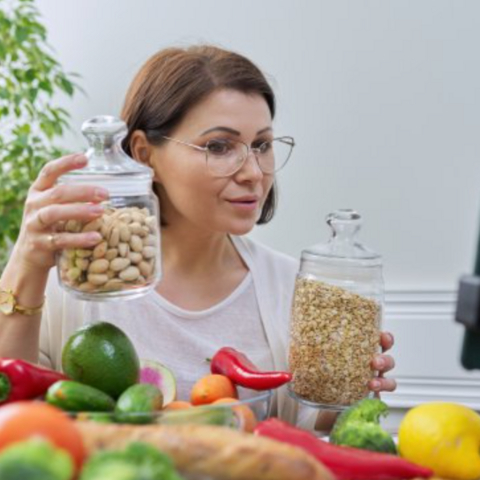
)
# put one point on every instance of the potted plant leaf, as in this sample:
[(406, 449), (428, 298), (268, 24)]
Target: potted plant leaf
[(31, 123)]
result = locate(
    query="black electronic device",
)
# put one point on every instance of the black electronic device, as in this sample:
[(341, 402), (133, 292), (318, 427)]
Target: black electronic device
[(468, 314)]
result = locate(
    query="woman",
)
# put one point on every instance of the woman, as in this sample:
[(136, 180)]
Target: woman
[(201, 118)]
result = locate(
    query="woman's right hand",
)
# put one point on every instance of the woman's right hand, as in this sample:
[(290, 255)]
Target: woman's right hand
[(49, 204)]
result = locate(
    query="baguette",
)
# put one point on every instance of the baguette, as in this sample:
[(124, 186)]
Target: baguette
[(216, 452)]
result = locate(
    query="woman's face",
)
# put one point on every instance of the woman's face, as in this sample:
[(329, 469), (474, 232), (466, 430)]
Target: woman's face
[(189, 193)]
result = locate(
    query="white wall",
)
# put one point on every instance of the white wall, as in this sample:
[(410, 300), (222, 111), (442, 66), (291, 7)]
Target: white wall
[(383, 100), (381, 96)]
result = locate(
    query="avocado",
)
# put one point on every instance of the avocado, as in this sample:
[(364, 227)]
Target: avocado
[(101, 355)]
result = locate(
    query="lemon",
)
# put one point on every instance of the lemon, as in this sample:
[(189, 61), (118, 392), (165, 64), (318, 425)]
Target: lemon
[(444, 437)]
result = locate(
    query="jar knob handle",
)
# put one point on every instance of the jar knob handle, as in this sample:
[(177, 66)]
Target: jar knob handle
[(102, 131), (344, 222)]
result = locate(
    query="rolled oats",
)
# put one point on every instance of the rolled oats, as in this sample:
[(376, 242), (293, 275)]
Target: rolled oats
[(334, 334)]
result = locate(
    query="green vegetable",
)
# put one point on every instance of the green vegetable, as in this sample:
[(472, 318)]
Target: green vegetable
[(138, 403), (207, 415), (100, 417), (35, 460), (76, 397), (139, 461), (359, 426)]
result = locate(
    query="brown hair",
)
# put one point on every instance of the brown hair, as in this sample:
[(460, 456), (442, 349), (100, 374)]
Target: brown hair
[(175, 79)]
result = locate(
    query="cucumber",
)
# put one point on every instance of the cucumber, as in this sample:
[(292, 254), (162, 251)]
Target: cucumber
[(138, 403), (203, 415), (76, 397), (100, 417)]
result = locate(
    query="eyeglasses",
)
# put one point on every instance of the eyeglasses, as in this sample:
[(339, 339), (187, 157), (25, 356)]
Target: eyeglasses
[(226, 157)]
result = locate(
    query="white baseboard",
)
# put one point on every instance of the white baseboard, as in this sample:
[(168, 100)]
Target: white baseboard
[(427, 350), (413, 391), (413, 304)]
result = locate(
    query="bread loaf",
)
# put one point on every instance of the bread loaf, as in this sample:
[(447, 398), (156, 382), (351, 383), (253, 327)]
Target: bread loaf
[(216, 452)]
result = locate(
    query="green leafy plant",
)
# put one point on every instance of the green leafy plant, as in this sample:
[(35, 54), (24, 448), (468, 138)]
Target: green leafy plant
[(30, 122)]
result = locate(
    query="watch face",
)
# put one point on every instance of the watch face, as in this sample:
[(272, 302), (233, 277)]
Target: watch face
[(6, 303)]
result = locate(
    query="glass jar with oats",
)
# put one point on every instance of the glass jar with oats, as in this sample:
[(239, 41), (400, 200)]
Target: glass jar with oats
[(336, 317), (126, 261)]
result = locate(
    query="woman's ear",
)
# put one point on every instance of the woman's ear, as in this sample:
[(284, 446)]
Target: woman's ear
[(140, 147), (142, 150)]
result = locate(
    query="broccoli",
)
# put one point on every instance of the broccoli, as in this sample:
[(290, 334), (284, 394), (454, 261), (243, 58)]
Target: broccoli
[(35, 460), (139, 461), (359, 426)]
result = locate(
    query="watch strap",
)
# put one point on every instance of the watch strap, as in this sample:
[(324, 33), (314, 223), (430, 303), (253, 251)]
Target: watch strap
[(10, 300), (29, 311)]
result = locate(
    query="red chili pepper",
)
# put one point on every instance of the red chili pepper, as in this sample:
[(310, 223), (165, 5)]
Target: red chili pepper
[(346, 463), (241, 371), (21, 380)]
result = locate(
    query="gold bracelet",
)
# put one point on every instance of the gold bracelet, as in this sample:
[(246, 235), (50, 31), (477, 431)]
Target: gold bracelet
[(9, 305)]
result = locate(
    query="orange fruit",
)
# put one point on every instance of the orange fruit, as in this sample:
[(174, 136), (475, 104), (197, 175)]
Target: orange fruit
[(25, 420), (211, 388), (178, 405), (244, 412)]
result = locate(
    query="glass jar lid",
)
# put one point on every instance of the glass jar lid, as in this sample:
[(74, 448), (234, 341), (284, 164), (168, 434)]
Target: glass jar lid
[(108, 165), (343, 245)]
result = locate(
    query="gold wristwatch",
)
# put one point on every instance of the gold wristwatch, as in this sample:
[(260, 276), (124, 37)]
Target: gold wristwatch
[(9, 305)]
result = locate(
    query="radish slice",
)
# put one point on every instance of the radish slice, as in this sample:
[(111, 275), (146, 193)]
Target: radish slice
[(159, 375)]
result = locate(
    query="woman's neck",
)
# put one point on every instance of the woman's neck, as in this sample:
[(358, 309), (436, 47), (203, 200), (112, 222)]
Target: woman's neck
[(197, 253), (200, 269)]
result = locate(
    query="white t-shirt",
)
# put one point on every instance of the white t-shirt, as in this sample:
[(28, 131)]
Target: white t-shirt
[(183, 339), (272, 278)]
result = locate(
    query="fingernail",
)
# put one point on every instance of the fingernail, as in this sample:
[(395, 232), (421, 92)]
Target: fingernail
[(375, 384), (101, 193), (80, 160), (94, 237), (380, 362), (96, 208)]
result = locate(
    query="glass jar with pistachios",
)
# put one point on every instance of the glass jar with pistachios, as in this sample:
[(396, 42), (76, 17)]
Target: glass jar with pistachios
[(126, 262), (336, 317)]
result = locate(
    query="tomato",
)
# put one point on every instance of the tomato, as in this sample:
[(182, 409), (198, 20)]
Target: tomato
[(23, 420)]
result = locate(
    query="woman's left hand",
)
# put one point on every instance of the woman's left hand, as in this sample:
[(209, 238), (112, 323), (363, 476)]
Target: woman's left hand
[(383, 363)]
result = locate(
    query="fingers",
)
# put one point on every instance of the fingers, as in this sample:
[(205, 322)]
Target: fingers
[(43, 225), (383, 363), (381, 384), (69, 194), (56, 168), (386, 341), (47, 217), (65, 240)]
